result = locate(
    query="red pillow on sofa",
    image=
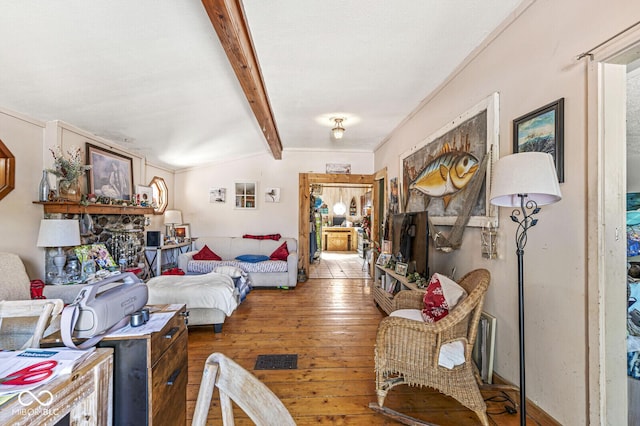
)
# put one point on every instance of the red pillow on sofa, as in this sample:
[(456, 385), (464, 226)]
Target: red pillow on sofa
[(280, 253), (206, 254)]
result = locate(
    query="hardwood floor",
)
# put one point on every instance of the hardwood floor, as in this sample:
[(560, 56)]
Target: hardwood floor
[(331, 324)]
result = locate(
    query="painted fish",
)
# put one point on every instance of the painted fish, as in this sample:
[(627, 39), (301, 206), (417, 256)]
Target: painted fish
[(446, 174)]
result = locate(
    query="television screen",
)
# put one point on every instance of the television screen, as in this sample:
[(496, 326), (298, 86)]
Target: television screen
[(410, 232)]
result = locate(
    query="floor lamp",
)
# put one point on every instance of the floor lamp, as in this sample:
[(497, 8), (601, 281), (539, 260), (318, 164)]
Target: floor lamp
[(524, 181)]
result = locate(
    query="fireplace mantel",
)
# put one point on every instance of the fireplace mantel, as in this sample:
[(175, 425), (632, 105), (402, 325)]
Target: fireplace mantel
[(67, 207)]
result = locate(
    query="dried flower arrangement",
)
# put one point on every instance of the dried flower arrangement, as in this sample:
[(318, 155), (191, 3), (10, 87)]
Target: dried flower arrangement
[(68, 170)]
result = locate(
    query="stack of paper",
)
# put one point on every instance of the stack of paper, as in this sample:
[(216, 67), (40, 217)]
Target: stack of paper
[(13, 361)]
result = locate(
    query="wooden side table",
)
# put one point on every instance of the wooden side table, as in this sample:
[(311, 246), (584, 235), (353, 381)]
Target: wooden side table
[(85, 395)]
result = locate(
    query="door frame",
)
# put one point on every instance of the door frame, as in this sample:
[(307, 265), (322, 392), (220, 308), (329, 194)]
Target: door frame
[(305, 180), (606, 227)]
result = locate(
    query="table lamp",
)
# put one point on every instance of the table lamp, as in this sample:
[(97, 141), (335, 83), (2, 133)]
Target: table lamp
[(525, 181), (59, 233), (171, 219)]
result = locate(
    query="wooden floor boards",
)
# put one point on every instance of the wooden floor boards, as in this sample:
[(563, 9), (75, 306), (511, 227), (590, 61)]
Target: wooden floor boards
[(331, 324)]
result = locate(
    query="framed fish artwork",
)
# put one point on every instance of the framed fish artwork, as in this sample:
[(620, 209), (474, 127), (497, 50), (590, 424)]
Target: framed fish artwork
[(542, 130), (447, 174)]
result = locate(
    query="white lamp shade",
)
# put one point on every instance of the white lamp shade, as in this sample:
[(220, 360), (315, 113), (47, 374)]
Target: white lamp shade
[(530, 173), (172, 217), (58, 233)]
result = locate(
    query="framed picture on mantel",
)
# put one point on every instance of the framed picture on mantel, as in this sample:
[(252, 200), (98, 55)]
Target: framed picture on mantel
[(111, 174)]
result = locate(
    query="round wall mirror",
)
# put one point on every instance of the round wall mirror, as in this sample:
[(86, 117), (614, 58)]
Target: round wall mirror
[(7, 171)]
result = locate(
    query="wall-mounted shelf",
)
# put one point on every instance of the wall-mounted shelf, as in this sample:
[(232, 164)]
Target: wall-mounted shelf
[(66, 207)]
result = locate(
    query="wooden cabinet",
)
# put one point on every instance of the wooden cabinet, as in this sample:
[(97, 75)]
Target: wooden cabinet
[(150, 375), (338, 238), (386, 284)]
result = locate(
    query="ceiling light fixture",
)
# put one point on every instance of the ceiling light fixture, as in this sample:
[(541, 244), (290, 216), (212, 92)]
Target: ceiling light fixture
[(338, 130)]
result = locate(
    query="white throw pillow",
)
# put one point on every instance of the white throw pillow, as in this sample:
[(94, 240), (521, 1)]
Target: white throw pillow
[(232, 271)]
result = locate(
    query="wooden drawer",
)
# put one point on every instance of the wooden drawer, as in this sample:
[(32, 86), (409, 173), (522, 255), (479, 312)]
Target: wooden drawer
[(167, 336), (169, 378)]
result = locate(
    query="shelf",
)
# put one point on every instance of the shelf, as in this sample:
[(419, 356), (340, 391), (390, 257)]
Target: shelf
[(383, 298), (67, 207)]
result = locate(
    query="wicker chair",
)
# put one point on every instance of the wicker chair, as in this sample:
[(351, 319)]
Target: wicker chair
[(407, 351)]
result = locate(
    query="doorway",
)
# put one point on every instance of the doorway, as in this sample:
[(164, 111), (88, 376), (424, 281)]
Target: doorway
[(607, 177), (306, 180)]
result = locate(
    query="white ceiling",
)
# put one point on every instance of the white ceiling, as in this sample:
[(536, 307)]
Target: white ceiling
[(152, 76)]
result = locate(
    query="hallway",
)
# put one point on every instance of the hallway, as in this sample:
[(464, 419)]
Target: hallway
[(338, 264)]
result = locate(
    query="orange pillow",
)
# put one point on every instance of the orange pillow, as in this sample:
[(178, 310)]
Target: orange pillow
[(281, 253), (206, 254)]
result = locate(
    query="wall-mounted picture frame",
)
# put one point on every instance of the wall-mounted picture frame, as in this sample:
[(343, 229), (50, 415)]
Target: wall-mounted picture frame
[(111, 174), (542, 130), (339, 168), (402, 268), (217, 195), (454, 153), (272, 195), (183, 232), (144, 196)]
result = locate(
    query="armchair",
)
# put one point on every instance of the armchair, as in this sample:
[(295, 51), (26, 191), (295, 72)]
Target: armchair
[(407, 351), (23, 321)]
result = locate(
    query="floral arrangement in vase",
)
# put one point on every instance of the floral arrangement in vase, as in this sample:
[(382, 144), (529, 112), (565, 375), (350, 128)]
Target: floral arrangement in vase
[(68, 170)]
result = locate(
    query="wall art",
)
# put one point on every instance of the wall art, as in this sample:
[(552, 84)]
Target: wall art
[(436, 173), (542, 130), (111, 174)]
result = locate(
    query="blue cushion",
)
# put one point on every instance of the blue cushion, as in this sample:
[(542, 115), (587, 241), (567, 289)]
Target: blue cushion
[(252, 258)]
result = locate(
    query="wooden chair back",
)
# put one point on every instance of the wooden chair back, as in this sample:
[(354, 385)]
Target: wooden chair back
[(236, 384), (23, 322)]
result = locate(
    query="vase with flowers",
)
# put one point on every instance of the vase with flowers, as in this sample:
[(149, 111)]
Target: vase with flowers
[(68, 171)]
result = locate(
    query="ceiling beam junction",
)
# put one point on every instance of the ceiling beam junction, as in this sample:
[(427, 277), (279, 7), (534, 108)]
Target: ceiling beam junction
[(229, 21)]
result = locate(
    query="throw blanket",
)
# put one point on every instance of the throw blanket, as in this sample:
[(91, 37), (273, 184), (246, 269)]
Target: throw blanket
[(205, 266), (211, 290)]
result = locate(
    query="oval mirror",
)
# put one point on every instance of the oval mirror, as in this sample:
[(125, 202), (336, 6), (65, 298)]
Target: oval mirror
[(7, 171)]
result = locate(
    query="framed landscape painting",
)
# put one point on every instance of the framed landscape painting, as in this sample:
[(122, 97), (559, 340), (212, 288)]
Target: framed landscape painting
[(542, 131)]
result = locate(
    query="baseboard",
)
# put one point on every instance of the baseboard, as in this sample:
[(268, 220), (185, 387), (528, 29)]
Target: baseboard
[(532, 408)]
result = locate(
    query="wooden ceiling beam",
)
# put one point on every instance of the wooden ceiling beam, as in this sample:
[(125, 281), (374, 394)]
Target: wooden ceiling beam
[(229, 21)]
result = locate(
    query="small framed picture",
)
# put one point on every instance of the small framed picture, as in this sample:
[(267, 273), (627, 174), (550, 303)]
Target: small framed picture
[(217, 195), (383, 259), (401, 268), (542, 130), (144, 195), (338, 168), (183, 232)]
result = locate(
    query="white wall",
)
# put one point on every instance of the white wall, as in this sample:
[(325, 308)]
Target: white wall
[(19, 217), (29, 140), (223, 219), (532, 63)]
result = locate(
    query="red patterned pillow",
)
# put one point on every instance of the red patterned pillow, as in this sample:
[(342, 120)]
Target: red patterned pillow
[(441, 296), (206, 254), (281, 253)]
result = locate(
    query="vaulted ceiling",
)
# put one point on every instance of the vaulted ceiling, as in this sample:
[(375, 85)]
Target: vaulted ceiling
[(154, 77)]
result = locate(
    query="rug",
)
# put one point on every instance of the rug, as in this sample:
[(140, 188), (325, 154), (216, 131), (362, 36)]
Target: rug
[(277, 362)]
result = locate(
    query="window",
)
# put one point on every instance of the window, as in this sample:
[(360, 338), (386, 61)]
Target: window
[(246, 195), (160, 194)]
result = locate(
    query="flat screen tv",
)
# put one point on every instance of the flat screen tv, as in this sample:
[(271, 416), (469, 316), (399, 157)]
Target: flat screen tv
[(410, 232)]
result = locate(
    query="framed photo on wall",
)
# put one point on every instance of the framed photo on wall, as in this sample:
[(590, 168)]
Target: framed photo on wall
[(542, 130), (111, 174)]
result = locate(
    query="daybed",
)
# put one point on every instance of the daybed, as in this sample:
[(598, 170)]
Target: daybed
[(210, 298), (268, 273)]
